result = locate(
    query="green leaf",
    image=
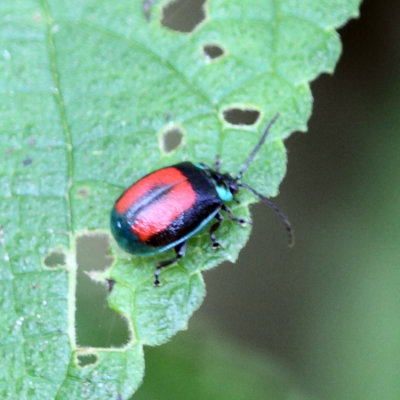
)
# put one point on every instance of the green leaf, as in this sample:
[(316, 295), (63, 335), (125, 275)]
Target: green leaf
[(88, 89)]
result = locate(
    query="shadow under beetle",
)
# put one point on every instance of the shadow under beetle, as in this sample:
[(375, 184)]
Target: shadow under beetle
[(165, 208)]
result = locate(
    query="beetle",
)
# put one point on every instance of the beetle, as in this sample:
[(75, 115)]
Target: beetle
[(165, 208)]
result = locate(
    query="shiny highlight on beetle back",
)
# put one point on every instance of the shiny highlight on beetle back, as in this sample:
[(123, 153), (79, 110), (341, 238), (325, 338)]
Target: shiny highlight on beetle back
[(159, 213), (162, 177)]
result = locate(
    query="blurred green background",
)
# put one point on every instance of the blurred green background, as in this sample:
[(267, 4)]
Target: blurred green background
[(327, 311)]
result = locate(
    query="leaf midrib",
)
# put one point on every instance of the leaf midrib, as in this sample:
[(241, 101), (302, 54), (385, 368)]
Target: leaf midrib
[(68, 147)]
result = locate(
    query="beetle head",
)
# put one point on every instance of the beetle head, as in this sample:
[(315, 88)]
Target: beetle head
[(230, 183)]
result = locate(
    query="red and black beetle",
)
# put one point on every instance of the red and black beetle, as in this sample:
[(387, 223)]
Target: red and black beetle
[(165, 208)]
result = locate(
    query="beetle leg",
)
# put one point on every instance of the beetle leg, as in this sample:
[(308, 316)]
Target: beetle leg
[(241, 221), (180, 252), (110, 284), (147, 6), (213, 228), (217, 163)]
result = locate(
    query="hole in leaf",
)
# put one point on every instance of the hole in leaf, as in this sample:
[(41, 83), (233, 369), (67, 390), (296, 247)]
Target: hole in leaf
[(241, 116), (55, 259), (213, 51), (86, 359), (183, 15), (171, 139), (96, 324)]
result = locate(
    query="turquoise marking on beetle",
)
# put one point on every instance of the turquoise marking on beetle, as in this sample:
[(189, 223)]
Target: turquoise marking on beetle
[(224, 193)]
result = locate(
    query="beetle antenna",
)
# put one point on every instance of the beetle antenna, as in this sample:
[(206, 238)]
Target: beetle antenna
[(281, 215), (256, 148)]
